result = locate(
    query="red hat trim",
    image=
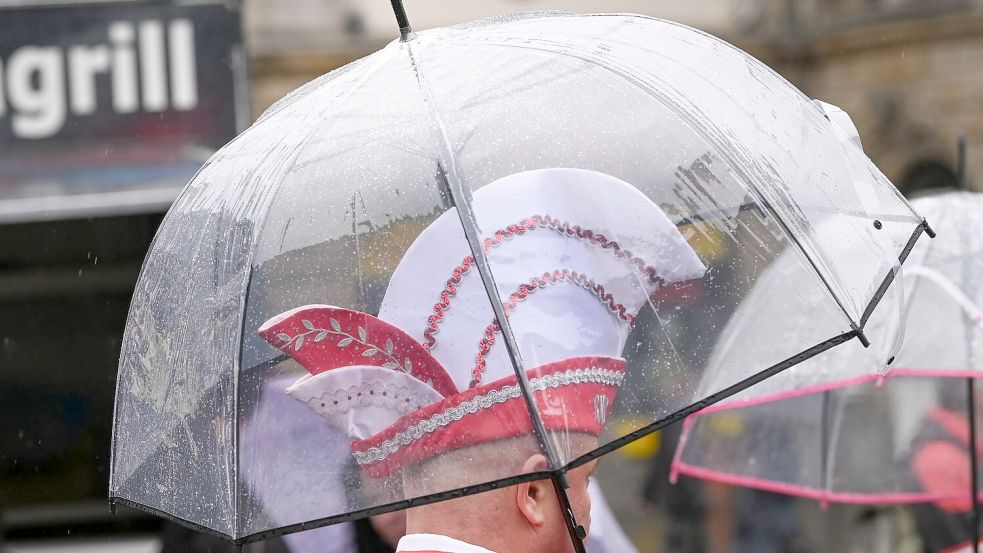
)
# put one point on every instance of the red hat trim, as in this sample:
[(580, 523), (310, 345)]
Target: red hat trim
[(323, 337), (573, 395)]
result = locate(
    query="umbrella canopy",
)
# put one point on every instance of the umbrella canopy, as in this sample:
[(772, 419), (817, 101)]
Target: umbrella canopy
[(480, 242), (864, 426)]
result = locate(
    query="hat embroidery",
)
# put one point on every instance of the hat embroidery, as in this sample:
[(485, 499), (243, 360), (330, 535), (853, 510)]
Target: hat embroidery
[(601, 403), (450, 415), (538, 283), (367, 394), (527, 224), (361, 341), (323, 338)]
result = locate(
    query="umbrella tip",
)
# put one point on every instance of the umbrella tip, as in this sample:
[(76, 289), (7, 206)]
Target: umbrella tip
[(862, 337), (405, 31)]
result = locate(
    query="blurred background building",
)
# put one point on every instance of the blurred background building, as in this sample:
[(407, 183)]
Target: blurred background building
[(906, 70), (101, 124)]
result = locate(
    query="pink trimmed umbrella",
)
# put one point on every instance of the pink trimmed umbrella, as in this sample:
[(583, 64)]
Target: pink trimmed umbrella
[(885, 425)]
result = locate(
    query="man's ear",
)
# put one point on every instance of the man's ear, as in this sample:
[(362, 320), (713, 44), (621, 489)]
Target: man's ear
[(533, 498)]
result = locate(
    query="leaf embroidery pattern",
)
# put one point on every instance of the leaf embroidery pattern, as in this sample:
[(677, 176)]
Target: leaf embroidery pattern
[(361, 338)]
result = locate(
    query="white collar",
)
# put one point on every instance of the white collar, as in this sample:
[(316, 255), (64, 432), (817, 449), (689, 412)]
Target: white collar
[(435, 542)]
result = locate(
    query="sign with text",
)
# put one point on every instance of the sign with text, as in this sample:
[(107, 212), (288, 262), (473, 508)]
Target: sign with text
[(118, 71), (109, 108)]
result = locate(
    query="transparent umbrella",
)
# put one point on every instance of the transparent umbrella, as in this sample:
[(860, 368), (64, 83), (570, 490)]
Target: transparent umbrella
[(882, 425), (463, 250)]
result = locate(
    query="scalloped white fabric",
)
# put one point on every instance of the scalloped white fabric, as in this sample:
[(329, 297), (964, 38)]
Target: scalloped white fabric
[(362, 400)]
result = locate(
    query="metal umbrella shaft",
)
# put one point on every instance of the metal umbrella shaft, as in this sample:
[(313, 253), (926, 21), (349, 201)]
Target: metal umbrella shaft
[(457, 193), (452, 187), (970, 382), (973, 462)]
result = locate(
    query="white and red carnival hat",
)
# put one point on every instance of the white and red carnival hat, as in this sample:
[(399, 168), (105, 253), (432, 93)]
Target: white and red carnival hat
[(575, 255)]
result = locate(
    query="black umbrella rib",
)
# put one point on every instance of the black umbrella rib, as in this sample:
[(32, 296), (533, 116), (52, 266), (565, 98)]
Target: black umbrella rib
[(398, 506), (889, 278), (116, 500), (348, 517), (973, 462), (712, 399), (754, 206)]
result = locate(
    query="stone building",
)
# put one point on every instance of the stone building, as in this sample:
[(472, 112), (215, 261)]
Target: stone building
[(908, 71), (293, 41)]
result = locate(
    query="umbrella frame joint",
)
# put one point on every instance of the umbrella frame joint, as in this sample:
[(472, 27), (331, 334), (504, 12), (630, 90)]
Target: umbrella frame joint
[(889, 278)]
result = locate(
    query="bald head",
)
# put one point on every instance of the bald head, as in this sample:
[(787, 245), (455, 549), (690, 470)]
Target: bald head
[(521, 518)]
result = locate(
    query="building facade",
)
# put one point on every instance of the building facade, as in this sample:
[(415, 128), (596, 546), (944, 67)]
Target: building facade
[(907, 71)]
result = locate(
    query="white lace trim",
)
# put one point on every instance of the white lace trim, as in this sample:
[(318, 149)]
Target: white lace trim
[(368, 394), (484, 401)]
